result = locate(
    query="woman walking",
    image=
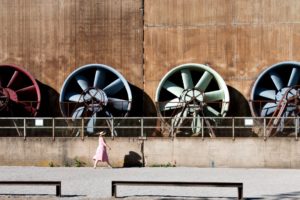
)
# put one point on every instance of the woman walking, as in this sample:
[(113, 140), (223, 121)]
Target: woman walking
[(101, 153)]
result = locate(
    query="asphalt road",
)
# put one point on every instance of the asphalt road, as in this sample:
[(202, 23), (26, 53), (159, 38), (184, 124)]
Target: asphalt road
[(89, 183)]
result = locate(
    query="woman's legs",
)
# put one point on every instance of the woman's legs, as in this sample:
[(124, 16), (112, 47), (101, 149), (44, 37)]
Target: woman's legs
[(108, 163), (95, 163)]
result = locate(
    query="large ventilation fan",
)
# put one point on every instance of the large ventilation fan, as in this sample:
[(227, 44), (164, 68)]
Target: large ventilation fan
[(20, 95), (192, 91), (95, 90), (275, 94)]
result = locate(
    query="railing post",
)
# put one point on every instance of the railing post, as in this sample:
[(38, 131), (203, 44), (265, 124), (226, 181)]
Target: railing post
[(297, 128), (202, 128), (265, 138), (142, 127), (24, 129), (82, 129), (172, 128), (53, 129), (233, 128), (112, 127)]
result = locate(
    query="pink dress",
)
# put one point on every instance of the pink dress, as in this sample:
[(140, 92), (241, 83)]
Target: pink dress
[(101, 153)]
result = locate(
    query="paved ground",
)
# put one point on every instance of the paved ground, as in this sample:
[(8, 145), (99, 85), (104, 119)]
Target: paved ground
[(89, 183)]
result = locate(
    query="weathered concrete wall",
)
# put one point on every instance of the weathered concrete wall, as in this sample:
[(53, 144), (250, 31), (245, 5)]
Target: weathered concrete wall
[(51, 38), (219, 152), (237, 38), (62, 151)]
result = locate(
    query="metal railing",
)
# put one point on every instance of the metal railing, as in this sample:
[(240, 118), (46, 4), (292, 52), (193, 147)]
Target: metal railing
[(151, 127)]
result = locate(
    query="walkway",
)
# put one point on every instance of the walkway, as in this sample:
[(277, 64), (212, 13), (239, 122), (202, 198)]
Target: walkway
[(89, 183)]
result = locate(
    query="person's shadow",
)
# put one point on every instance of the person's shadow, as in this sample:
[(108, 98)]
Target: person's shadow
[(132, 159)]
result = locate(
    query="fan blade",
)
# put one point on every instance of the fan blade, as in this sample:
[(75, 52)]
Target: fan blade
[(187, 79), (114, 87), (211, 112), (213, 95), (13, 79), (268, 109), (74, 97), (108, 114), (119, 104), (99, 79), (276, 80), (179, 117), (290, 108), (91, 123), (196, 124), (110, 123), (294, 77), (266, 93), (204, 81), (170, 105), (280, 125), (26, 89), (291, 93), (77, 113), (173, 88), (82, 82)]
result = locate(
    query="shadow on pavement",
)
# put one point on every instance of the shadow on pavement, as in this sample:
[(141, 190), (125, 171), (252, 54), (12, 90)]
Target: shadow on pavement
[(170, 197), (35, 196), (290, 195), (132, 159)]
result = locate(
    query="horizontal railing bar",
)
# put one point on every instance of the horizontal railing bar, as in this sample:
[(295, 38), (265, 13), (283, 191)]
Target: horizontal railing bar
[(234, 124)]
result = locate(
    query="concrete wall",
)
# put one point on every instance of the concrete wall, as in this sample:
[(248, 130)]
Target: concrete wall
[(237, 38), (52, 38), (219, 152)]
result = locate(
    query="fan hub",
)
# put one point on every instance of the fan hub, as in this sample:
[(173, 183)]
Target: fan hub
[(8, 94), (95, 97), (4, 98), (194, 99), (192, 95)]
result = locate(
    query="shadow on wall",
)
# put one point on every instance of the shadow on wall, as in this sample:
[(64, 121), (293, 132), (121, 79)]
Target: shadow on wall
[(49, 102), (132, 159), (142, 104), (238, 105), (49, 107)]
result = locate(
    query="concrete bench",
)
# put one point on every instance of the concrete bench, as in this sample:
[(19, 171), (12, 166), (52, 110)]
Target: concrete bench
[(40, 183), (239, 186)]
